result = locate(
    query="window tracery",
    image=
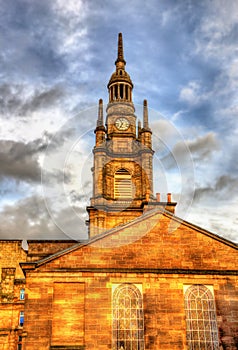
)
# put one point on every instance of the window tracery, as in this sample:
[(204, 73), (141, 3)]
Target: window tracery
[(128, 319), (202, 331)]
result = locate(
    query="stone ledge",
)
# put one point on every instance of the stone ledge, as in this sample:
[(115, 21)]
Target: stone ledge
[(156, 271), (67, 347)]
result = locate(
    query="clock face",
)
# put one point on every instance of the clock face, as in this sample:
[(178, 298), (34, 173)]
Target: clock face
[(122, 123)]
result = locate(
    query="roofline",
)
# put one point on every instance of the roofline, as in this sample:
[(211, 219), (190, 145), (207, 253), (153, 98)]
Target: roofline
[(204, 231), (51, 240), (89, 241), (10, 240), (35, 264)]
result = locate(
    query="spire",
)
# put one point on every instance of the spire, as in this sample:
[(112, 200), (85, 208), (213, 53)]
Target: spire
[(120, 62), (120, 85), (100, 113), (145, 116), (139, 130), (146, 132), (100, 129)]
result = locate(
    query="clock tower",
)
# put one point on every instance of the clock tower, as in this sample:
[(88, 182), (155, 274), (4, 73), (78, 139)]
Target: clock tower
[(123, 158)]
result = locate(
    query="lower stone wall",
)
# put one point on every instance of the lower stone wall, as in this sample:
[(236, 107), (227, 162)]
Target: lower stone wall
[(163, 304)]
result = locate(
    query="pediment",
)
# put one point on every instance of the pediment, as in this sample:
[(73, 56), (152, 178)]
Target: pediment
[(156, 241)]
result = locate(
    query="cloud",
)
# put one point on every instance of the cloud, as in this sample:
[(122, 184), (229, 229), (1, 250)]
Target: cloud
[(29, 219), (214, 220), (79, 198), (164, 129), (224, 188), (20, 160), (203, 147), (20, 100), (29, 42), (215, 35), (71, 15), (191, 93)]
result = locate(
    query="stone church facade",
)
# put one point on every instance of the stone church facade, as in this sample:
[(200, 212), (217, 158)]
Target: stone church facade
[(144, 280)]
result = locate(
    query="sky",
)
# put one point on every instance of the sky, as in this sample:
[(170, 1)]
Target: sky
[(56, 59)]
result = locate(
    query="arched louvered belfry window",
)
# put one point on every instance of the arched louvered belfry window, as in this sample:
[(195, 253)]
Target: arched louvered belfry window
[(128, 319), (122, 184), (202, 331)]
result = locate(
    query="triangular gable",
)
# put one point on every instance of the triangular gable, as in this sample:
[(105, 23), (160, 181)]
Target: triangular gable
[(157, 239)]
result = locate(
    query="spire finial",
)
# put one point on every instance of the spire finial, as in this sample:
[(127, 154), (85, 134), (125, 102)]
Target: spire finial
[(100, 113), (139, 130), (145, 116), (120, 56)]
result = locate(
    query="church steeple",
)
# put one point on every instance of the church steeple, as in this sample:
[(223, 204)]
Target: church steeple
[(120, 85), (123, 157)]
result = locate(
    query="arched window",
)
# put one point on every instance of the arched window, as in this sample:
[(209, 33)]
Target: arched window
[(202, 332), (128, 319), (122, 184)]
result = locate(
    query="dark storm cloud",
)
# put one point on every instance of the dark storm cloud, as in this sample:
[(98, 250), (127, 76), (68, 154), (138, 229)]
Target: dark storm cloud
[(16, 100), (20, 160), (29, 219), (42, 99), (203, 147), (201, 150), (224, 188)]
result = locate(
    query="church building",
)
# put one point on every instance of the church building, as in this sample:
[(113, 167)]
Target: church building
[(144, 280)]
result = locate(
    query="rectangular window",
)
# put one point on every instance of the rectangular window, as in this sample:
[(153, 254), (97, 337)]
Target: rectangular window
[(21, 318), (121, 91), (22, 294), (19, 345), (116, 92)]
